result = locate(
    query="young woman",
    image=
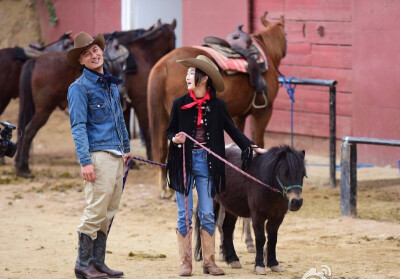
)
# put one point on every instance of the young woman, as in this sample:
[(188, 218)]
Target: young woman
[(204, 117)]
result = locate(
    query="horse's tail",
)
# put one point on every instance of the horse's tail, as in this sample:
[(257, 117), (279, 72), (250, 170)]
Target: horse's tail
[(26, 105), (197, 250), (158, 114)]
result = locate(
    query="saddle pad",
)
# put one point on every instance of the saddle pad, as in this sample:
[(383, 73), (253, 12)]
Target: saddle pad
[(233, 65)]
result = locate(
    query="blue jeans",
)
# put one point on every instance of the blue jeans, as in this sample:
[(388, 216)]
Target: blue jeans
[(206, 203)]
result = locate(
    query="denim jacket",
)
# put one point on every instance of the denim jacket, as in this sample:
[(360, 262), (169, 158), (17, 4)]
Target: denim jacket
[(96, 117)]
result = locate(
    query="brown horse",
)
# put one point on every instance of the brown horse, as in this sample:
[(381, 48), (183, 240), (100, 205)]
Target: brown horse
[(11, 66), (147, 50), (167, 82), (44, 87)]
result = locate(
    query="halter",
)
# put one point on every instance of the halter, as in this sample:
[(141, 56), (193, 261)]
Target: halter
[(286, 189)]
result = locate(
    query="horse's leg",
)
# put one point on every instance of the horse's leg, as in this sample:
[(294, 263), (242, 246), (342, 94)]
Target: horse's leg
[(272, 231), (258, 226), (228, 228), (261, 118), (239, 121), (22, 159), (220, 222), (248, 238)]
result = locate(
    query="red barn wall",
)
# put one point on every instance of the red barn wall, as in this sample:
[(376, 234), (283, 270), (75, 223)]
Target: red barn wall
[(376, 82), (212, 18), (91, 16)]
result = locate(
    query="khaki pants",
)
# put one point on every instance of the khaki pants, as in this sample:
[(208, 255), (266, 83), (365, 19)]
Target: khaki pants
[(102, 196)]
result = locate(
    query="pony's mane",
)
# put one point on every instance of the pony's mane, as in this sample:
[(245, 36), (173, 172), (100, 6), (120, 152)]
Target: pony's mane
[(282, 161), (150, 35)]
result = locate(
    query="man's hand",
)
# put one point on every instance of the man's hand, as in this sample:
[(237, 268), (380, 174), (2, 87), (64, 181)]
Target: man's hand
[(88, 173), (126, 156)]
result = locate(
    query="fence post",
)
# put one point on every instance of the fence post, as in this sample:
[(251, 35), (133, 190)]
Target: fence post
[(353, 180), (332, 134), (345, 179)]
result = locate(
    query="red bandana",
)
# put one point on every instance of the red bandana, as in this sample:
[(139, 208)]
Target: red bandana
[(198, 103)]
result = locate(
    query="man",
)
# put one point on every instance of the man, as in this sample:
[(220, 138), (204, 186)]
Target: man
[(102, 145)]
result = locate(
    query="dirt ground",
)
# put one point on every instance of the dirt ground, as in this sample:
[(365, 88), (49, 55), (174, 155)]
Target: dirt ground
[(39, 218)]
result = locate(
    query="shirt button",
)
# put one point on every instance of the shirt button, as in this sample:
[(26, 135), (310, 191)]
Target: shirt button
[(98, 106)]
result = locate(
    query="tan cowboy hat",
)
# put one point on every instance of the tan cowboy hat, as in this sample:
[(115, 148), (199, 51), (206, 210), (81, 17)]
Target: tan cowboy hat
[(206, 65), (81, 41)]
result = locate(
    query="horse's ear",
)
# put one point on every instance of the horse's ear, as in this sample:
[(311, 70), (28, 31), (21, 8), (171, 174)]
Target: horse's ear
[(173, 24), (282, 19), (303, 153), (264, 20), (159, 21)]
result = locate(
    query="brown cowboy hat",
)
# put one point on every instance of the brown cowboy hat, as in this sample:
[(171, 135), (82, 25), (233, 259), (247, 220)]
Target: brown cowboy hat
[(206, 65), (81, 41)]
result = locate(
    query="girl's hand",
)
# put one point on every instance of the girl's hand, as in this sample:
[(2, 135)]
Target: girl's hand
[(179, 138), (258, 149)]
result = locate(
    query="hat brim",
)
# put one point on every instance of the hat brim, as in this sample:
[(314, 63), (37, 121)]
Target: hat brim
[(73, 54), (217, 80)]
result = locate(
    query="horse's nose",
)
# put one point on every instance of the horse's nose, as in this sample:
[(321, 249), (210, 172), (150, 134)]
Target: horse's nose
[(295, 204)]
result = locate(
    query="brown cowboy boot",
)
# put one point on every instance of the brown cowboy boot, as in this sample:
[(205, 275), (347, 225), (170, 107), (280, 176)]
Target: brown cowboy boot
[(84, 266), (208, 247), (99, 253), (184, 253)]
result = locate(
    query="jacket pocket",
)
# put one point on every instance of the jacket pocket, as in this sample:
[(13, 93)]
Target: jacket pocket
[(99, 111)]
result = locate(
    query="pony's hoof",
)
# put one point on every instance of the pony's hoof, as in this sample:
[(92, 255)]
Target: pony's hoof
[(277, 268), (260, 270), (251, 248), (235, 265)]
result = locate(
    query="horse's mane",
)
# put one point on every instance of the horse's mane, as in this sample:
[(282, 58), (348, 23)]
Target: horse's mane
[(149, 35), (273, 39), (282, 161)]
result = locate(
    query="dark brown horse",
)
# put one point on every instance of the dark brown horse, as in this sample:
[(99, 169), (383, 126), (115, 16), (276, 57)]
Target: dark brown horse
[(147, 49), (11, 65), (45, 82), (44, 87), (281, 167), (167, 82)]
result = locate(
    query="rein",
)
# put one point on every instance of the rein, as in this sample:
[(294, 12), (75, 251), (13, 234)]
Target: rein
[(284, 188)]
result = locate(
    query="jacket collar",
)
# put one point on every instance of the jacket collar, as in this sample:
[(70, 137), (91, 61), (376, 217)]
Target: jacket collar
[(90, 75)]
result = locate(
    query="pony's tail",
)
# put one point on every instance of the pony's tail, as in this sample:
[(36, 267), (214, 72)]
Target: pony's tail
[(26, 105), (197, 250)]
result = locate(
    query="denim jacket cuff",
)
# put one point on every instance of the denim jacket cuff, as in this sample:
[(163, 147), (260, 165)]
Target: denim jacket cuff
[(85, 161), (127, 149)]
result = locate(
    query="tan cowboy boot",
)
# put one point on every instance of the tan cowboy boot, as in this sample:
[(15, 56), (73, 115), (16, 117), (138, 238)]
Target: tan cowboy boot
[(208, 247), (184, 254)]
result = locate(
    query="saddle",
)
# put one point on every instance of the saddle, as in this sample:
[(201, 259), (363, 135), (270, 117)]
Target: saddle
[(239, 44)]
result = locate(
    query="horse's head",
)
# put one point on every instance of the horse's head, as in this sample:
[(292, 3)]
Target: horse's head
[(115, 56), (284, 168), (64, 43), (274, 38)]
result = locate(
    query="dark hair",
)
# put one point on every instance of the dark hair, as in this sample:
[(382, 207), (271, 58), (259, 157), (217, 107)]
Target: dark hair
[(198, 75)]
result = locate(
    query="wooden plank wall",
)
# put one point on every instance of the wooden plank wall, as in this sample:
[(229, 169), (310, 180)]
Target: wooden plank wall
[(319, 47)]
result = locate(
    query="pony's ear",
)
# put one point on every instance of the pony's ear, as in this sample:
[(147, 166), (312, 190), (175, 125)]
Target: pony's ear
[(173, 24), (159, 21), (264, 20), (303, 153), (282, 19)]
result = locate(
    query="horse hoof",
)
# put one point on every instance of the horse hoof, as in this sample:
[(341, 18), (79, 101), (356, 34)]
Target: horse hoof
[(260, 270), (251, 249), (235, 265), (25, 174), (276, 268)]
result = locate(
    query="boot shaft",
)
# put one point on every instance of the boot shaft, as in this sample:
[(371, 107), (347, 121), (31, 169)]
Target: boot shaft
[(208, 247), (85, 250), (185, 253), (99, 248)]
